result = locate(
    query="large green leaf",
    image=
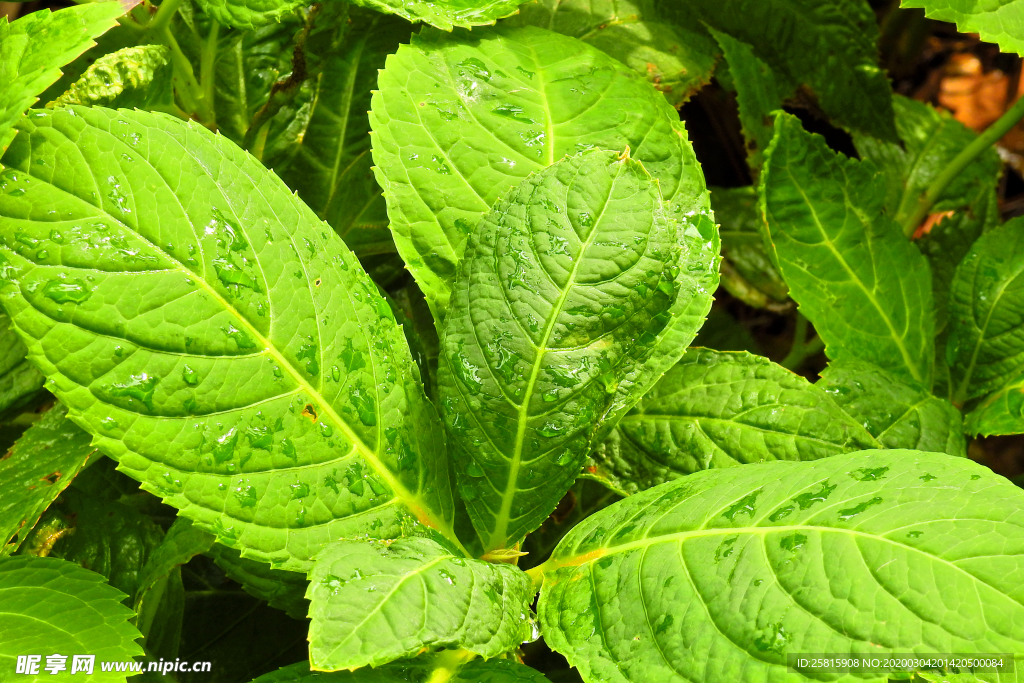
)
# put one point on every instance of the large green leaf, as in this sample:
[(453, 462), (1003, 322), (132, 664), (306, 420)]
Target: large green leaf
[(248, 64), (418, 670), (865, 287), (720, 409), (377, 601), (564, 287), (445, 14), (720, 575), (33, 48), (677, 59), (249, 14), (34, 472), (228, 350), (829, 46), (52, 606), (899, 414), (995, 21), (19, 381), (281, 589), (986, 313), (759, 92), (129, 78), (930, 141), (331, 167), (460, 118)]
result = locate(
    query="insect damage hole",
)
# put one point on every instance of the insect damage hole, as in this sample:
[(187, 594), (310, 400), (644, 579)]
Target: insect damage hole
[(310, 412)]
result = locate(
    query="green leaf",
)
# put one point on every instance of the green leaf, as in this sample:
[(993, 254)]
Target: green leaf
[(197, 355), (986, 313), (411, 671), (49, 605), (35, 471), (898, 413), (107, 537), (460, 119), (375, 601), (588, 495), (1001, 412), (445, 14), (33, 48), (160, 599), (564, 287), (931, 139), (677, 59), (747, 270), (1000, 22), (331, 167), (720, 575), (829, 46), (249, 14), (722, 409), (19, 381), (248, 64), (862, 284), (281, 589), (133, 77), (759, 92)]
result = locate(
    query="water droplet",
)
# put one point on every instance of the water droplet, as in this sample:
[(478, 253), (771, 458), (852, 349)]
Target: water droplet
[(850, 513), (139, 387), (189, 376), (66, 291), (512, 111), (793, 542), (725, 549), (225, 448), (869, 473), (474, 469), (300, 489), (744, 506), (335, 373)]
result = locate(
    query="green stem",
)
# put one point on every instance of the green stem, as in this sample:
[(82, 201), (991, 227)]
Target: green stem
[(164, 13), (802, 348), (537, 576), (988, 138), (207, 65)]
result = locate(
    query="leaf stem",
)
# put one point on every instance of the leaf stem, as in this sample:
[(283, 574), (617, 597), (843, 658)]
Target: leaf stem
[(989, 137), (802, 347), (207, 63), (165, 11)]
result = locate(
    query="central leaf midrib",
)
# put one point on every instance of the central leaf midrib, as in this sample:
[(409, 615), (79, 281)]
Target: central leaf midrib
[(683, 536), (854, 277), (498, 536), (364, 451)]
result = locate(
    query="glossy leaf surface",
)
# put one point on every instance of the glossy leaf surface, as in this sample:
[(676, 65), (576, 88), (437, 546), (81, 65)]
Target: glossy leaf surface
[(374, 602), (459, 119), (49, 605), (720, 575), (249, 14), (33, 48), (564, 287), (986, 313), (331, 168), (998, 21), (1001, 412), (719, 409), (228, 351), (897, 413), (865, 287), (677, 59), (445, 14), (36, 469)]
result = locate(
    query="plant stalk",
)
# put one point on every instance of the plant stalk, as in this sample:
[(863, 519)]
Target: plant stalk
[(989, 137), (164, 12)]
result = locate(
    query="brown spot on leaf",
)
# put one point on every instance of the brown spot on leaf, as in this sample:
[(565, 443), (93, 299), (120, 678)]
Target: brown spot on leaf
[(310, 412), (52, 477)]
